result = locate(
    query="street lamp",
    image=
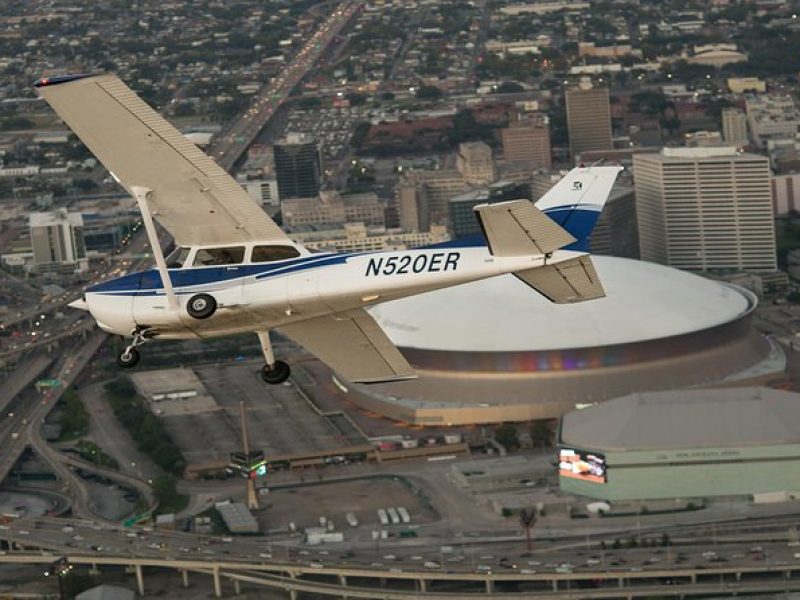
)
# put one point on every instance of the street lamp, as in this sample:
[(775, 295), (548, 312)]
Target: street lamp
[(527, 519), (59, 569)]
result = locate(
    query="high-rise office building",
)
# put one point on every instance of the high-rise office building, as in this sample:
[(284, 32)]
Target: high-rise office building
[(463, 221), (422, 197), (263, 191), (57, 242), (705, 209), (734, 127), (474, 162), (298, 166), (588, 120), (529, 141), (616, 233)]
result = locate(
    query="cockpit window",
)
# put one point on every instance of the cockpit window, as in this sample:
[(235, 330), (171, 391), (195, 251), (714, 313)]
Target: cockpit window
[(273, 253), (177, 257), (219, 256)]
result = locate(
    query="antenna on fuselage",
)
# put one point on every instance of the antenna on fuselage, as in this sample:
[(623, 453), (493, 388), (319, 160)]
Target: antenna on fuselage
[(142, 194)]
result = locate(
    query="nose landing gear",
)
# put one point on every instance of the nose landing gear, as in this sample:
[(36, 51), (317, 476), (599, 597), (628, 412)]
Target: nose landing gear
[(130, 356), (275, 371)]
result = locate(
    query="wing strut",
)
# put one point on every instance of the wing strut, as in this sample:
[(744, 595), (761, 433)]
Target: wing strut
[(142, 194)]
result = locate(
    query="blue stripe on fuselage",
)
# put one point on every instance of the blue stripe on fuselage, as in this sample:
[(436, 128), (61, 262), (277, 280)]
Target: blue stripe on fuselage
[(149, 282)]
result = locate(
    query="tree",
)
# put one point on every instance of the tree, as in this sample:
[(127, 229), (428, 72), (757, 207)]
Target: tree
[(541, 435), (506, 436), (509, 87), (356, 99), (527, 519), (429, 92)]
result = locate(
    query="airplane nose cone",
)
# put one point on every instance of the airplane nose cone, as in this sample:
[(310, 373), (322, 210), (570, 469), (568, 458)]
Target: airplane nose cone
[(80, 304)]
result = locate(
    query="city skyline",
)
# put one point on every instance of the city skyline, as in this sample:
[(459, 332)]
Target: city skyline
[(591, 449)]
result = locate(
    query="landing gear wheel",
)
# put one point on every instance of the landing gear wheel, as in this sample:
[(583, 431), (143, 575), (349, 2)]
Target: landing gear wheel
[(277, 373), (201, 306), (128, 358)]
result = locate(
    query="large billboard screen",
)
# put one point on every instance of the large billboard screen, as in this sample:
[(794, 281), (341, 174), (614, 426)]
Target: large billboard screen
[(578, 464)]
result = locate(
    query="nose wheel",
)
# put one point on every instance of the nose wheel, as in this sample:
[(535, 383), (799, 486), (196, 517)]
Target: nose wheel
[(275, 371), (130, 356)]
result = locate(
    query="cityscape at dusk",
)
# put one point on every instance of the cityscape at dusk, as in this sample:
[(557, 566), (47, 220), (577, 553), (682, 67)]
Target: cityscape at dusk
[(400, 299)]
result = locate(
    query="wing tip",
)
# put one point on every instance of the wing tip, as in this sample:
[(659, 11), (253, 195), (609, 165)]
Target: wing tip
[(58, 79)]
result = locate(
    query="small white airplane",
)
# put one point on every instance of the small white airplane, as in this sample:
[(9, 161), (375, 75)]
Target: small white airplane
[(233, 270)]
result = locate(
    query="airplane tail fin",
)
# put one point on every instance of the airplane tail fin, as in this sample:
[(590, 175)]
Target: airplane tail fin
[(576, 201)]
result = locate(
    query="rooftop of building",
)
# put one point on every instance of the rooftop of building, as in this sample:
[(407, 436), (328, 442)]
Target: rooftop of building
[(706, 418)]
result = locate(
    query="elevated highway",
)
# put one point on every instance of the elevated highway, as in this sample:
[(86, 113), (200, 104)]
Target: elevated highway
[(29, 417), (394, 584)]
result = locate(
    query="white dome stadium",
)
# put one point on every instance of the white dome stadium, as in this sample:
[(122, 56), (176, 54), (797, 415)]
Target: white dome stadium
[(644, 301), (495, 350)]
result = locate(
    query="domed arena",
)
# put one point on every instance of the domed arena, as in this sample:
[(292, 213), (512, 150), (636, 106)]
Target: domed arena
[(495, 350)]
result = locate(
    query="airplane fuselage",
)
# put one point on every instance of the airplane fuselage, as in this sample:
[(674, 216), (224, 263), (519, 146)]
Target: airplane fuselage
[(258, 296)]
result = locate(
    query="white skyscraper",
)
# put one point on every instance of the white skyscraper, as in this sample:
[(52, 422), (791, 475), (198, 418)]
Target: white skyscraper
[(705, 209), (57, 241)]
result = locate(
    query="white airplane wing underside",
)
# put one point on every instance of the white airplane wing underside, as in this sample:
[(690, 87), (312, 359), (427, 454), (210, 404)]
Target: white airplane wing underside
[(192, 196), (352, 344)]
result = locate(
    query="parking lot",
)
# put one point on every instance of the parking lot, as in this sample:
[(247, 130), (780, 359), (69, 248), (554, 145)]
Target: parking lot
[(279, 420), (303, 505)]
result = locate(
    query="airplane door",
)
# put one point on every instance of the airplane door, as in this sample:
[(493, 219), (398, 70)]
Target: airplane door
[(303, 294), (226, 284), (150, 306), (231, 278)]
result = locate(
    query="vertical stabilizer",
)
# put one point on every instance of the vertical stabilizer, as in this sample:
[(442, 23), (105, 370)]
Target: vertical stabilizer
[(576, 201)]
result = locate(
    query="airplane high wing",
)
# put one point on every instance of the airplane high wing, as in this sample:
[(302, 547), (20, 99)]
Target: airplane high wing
[(370, 355), (190, 195)]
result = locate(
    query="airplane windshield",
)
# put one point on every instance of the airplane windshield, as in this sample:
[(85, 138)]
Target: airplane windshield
[(273, 253), (233, 255), (177, 257)]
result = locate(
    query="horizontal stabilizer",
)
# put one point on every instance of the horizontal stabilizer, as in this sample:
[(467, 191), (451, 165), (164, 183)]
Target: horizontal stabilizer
[(518, 228), (352, 344), (573, 280)]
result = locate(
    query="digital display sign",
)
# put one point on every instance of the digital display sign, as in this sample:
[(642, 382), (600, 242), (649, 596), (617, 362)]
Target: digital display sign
[(578, 464)]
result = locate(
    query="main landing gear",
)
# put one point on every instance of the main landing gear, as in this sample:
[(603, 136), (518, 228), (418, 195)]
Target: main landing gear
[(201, 306), (130, 356), (275, 371)]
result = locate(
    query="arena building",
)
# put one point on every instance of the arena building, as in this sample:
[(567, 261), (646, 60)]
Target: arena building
[(683, 444), (495, 350)]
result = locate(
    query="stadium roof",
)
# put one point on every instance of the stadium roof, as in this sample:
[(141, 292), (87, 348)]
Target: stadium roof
[(643, 301), (710, 418)]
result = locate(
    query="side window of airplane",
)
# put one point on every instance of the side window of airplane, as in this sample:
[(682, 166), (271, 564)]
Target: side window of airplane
[(177, 257), (273, 253), (219, 256)]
